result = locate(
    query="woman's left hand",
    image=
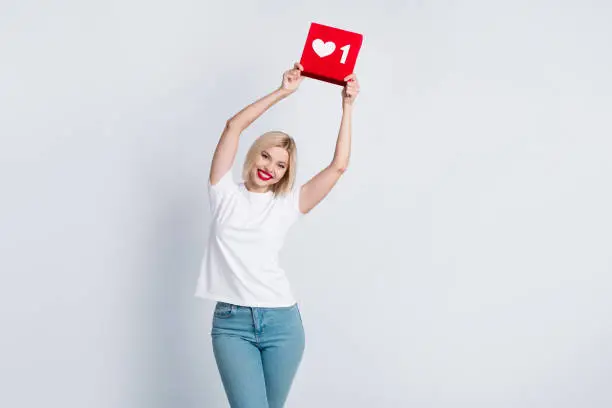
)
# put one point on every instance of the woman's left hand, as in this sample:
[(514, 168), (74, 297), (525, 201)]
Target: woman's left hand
[(350, 90)]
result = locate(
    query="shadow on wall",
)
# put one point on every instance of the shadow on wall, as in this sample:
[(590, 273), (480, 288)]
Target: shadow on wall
[(178, 368)]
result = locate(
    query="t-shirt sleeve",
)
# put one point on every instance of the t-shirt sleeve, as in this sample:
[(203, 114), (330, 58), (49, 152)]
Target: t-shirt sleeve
[(220, 192), (294, 202)]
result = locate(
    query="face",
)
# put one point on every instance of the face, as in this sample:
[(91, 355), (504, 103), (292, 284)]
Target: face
[(269, 166)]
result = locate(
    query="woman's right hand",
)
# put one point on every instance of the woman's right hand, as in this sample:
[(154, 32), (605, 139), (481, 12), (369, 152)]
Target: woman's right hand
[(292, 78)]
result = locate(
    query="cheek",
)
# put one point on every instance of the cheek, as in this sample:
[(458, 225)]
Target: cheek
[(259, 163)]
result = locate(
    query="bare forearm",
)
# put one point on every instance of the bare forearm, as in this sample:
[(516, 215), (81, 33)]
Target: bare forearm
[(343, 144), (253, 111)]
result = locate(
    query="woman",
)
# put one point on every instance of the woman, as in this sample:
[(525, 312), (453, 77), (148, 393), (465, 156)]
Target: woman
[(257, 333)]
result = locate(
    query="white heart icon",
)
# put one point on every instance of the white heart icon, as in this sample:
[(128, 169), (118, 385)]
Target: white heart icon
[(323, 49)]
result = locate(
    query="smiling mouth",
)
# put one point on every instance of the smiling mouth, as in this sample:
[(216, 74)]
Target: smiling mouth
[(264, 175)]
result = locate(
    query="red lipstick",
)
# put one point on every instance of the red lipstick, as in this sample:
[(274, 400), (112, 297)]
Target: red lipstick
[(264, 175)]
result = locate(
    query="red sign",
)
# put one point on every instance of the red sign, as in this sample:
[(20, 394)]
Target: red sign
[(330, 53)]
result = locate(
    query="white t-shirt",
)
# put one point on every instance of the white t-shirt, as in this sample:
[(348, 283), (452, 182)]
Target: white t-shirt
[(240, 264)]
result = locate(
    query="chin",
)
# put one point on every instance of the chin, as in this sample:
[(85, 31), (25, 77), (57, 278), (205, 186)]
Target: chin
[(259, 182), (266, 183)]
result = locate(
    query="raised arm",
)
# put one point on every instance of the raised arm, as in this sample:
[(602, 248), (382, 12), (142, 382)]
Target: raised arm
[(225, 153), (321, 184)]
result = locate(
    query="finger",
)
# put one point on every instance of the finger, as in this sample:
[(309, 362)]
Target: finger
[(298, 66), (350, 77)]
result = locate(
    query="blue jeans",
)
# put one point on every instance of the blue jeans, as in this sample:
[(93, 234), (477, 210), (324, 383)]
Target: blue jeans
[(258, 351)]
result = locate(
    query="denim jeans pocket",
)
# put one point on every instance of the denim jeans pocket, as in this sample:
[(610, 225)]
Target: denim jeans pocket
[(224, 310)]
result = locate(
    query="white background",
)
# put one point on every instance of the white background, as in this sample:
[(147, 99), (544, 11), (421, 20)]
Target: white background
[(463, 260)]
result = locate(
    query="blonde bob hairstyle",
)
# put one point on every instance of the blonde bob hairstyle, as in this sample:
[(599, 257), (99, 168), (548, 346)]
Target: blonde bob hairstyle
[(274, 139)]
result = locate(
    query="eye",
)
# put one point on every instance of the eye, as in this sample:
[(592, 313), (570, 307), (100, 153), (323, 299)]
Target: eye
[(264, 155), (282, 166)]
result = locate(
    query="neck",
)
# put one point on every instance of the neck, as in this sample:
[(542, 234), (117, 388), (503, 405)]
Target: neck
[(255, 189)]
